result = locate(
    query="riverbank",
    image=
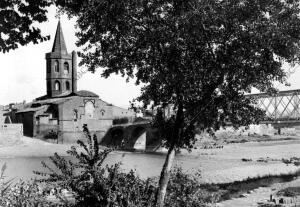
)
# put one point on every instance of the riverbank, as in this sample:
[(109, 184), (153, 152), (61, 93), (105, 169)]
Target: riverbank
[(252, 191), (261, 193)]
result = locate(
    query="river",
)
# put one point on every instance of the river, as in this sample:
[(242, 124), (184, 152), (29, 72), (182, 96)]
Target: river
[(146, 165)]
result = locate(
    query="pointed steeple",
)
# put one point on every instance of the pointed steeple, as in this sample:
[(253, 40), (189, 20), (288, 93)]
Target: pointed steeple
[(59, 44)]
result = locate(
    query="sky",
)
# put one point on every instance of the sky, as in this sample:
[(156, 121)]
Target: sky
[(23, 71)]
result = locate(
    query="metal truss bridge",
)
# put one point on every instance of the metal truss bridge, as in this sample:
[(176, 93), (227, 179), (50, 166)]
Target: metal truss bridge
[(282, 107)]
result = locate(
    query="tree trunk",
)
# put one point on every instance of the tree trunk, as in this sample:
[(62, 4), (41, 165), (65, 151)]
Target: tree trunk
[(165, 173), (164, 177)]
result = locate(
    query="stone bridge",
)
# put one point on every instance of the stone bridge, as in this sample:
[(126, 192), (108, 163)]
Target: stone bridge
[(132, 136)]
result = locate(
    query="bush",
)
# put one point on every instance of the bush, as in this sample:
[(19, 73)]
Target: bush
[(289, 192), (22, 194), (93, 184), (185, 190), (124, 120), (51, 135), (139, 119)]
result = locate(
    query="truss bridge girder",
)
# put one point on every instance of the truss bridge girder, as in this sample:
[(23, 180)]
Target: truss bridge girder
[(282, 106)]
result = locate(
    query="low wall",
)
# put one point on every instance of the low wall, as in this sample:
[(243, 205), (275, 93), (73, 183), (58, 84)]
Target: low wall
[(11, 129), (10, 133), (72, 137)]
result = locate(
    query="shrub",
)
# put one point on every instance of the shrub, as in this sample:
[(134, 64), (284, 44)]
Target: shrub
[(185, 190), (51, 135), (4, 184), (289, 192), (139, 119), (93, 184), (123, 120), (22, 194)]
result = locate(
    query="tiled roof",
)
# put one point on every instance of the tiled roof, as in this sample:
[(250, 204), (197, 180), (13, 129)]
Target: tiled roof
[(52, 100), (85, 93)]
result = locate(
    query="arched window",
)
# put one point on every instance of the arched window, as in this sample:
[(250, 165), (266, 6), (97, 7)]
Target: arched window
[(67, 85), (66, 68), (57, 86), (89, 109), (75, 114), (102, 112), (56, 66)]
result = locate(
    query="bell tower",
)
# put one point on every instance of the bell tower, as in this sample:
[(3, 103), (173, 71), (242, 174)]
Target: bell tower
[(61, 68)]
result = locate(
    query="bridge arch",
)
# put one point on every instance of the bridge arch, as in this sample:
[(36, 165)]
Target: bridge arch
[(117, 136), (135, 135), (114, 137)]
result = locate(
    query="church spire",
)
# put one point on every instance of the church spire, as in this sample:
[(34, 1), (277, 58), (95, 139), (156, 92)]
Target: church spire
[(59, 44)]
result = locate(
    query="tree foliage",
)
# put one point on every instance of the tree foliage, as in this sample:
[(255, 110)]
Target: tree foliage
[(198, 56), (17, 18), (201, 55)]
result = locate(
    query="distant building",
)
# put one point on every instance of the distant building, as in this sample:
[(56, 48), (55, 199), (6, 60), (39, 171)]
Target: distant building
[(64, 110)]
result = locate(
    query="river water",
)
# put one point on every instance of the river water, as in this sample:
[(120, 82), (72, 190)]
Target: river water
[(146, 165)]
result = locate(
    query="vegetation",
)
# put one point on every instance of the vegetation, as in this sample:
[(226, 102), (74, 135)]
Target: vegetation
[(198, 56), (53, 134), (94, 184), (124, 120), (140, 119), (289, 192), (17, 19), (4, 185), (22, 194)]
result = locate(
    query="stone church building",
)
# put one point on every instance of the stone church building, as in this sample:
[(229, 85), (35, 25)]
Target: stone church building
[(63, 110)]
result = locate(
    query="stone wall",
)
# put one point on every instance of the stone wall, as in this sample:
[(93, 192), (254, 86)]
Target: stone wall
[(71, 122), (119, 112)]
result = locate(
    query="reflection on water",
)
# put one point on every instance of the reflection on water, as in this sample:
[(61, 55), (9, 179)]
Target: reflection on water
[(146, 165)]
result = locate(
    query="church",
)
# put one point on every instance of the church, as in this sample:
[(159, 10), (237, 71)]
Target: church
[(63, 111)]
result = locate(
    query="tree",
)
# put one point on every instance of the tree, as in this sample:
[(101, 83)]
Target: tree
[(199, 56), (17, 18)]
